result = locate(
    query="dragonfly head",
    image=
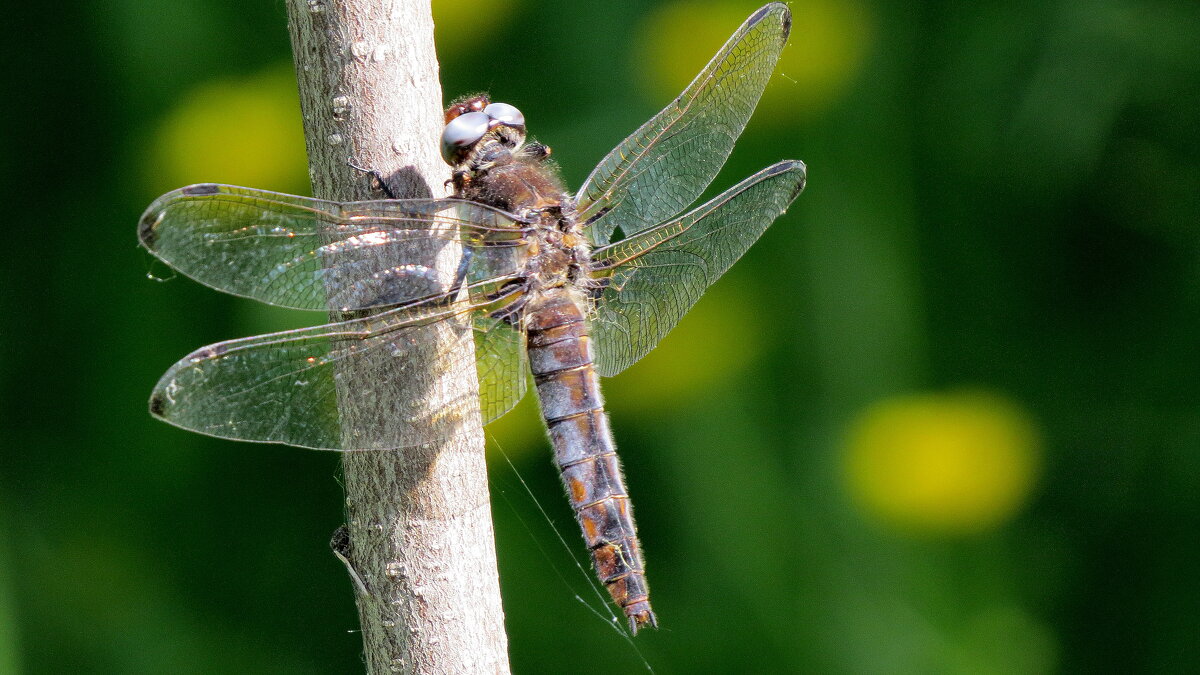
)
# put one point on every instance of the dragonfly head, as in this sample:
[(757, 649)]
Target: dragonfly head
[(471, 120)]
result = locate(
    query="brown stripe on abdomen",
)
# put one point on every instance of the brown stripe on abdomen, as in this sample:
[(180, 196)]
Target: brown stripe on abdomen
[(569, 392)]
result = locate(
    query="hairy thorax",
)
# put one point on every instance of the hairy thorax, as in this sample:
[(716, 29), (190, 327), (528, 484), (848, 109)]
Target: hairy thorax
[(527, 185)]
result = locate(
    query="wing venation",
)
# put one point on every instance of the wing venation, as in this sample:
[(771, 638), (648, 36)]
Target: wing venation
[(663, 167), (312, 254), (653, 278)]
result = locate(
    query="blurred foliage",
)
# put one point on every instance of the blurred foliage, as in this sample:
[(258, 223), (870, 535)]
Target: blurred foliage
[(9, 629), (1003, 200)]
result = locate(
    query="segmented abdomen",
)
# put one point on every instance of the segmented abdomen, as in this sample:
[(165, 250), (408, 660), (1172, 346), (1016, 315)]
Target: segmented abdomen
[(569, 391)]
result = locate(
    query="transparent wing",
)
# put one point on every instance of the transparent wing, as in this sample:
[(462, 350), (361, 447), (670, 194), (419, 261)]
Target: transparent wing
[(664, 166), (284, 387), (655, 277), (313, 254), (500, 363)]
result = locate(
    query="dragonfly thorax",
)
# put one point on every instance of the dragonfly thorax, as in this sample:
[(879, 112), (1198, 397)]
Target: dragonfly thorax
[(560, 254), (516, 179), (485, 144), (493, 166)]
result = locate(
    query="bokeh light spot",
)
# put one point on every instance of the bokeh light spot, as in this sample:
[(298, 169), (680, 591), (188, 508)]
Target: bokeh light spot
[(689, 362), (825, 52), (960, 462), (459, 25), (245, 131)]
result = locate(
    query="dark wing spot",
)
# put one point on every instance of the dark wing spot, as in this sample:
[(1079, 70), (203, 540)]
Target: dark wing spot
[(146, 229), (201, 189), (800, 166), (158, 404), (211, 351), (598, 216), (767, 9)]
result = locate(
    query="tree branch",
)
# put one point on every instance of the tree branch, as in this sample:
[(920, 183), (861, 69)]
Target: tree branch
[(420, 540)]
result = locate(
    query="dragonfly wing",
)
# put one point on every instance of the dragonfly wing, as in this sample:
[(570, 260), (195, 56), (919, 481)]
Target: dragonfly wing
[(312, 254), (664, 166), (501, 364), (285, 387), (654, 278)]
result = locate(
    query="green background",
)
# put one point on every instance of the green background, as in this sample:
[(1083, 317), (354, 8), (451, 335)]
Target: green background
[(1002, 210)]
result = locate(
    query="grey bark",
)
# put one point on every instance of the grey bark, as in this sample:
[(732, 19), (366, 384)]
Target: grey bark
[(420, 544)]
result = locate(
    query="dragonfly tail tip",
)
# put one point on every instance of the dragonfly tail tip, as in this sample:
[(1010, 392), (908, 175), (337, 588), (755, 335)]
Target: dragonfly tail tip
[(639, 616)]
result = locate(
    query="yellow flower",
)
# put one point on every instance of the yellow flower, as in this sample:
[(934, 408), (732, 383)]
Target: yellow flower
[(460, 26), (245, 131), (688, 362), (825, 52), (943, 463)]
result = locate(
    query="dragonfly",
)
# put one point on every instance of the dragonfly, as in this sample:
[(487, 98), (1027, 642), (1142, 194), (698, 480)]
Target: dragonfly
[(564, 287)]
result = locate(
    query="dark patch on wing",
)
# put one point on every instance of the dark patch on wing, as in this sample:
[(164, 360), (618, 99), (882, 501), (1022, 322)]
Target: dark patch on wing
[(146, 229), (201, 189), (158, 404), (767, 9), (599, 214), (803, 179), (208, 352)]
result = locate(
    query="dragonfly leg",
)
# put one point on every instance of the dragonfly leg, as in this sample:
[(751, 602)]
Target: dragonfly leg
[(340, 544), (460, 275), (377, 182)]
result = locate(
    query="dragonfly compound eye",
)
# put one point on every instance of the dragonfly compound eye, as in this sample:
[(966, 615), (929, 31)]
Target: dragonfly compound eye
[(472, 104), (462, 132), (505, 114)]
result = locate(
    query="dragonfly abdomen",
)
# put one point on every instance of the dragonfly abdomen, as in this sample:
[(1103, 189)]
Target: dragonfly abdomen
[(569, 392)]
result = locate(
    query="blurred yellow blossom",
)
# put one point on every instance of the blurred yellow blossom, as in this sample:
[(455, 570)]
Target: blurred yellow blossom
[(460, 25), (828, 42), (245, 131), (689, 363), (958, 462)]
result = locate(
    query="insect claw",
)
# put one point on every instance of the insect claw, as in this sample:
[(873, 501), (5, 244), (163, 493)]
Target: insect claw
[(640, 617), (377, 182)]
